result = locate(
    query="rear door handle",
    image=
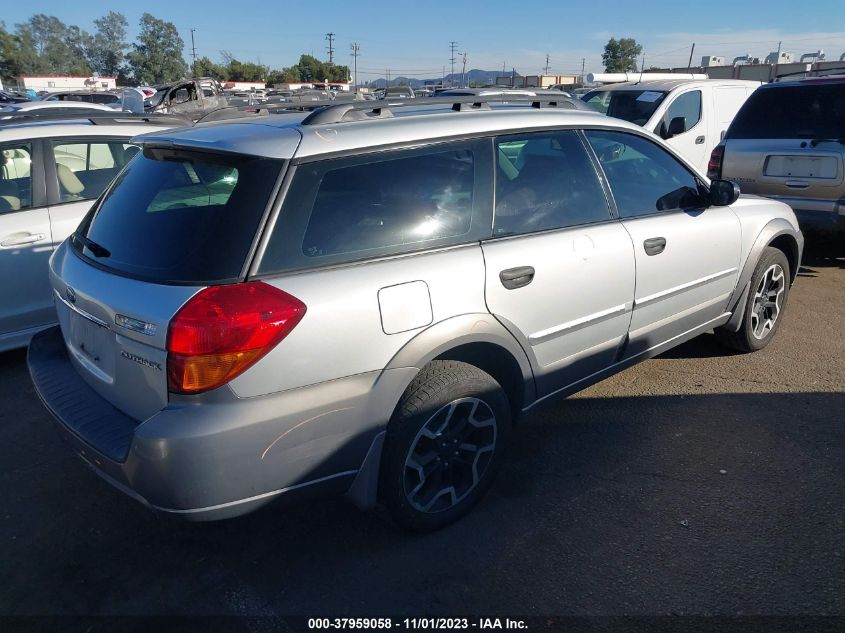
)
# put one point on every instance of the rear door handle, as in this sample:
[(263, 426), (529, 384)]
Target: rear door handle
[(513, 278), (654, 245), (21, 239), (699, 140)]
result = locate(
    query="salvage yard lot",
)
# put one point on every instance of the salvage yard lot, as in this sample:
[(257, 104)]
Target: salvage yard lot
[(700, 482)]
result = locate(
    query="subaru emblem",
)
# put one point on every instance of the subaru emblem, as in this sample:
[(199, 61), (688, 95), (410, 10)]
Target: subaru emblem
[(70, 293)]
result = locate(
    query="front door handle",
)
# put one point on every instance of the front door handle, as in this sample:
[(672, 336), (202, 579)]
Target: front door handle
[(513, 278), (654, 245), (699, 140), (21, 239)]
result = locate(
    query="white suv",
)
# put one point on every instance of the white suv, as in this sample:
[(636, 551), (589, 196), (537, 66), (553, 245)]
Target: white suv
[(52, 167)]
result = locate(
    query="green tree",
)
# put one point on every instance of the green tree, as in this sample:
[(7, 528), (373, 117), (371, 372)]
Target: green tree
[(9, 56), (47, 46), (310, 68), (157, 55), (108, 47), (621, 55), (207, 68)]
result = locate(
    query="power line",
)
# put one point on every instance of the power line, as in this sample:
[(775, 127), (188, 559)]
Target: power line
[(330, 38)]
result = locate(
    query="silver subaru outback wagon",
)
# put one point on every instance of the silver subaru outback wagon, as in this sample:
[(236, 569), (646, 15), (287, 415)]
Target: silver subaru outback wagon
[(365, 299)]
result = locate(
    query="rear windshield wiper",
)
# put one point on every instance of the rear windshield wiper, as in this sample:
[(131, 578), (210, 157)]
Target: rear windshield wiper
[(816, 141), (91, 245)]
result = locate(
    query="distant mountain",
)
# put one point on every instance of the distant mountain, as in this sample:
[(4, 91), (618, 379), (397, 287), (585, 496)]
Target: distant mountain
[(474, 75)]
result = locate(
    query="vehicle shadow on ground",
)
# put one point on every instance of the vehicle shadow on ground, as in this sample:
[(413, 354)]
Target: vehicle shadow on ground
[(601, 502)]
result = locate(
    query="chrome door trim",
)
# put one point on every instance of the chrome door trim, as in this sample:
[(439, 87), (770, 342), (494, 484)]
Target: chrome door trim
[(557, 330)]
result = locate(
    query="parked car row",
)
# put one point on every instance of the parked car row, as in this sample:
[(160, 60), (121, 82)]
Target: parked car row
[(484, 255)]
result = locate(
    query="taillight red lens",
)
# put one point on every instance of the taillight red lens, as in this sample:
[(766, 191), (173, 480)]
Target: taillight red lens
[(223, 330), (714, 165)]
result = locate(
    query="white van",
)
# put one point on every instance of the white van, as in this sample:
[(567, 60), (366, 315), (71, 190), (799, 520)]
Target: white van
[(692, 115)]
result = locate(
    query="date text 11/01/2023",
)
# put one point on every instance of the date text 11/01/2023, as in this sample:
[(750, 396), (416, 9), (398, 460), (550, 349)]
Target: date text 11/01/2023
[(411, 624)]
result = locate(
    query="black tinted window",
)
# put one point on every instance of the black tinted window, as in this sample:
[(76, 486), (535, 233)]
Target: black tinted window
[(364, 207), (545, 181), (644, 177), (180, 216), (805, 111)]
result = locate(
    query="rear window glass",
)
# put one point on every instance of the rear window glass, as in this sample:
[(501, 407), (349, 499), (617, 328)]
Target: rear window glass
[(805, 111), (179, 216)]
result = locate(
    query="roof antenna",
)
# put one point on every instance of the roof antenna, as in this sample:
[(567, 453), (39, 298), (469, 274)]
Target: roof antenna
[(642, 68)]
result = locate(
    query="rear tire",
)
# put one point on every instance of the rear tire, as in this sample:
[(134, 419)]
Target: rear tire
[(763, 311), (444, 444)]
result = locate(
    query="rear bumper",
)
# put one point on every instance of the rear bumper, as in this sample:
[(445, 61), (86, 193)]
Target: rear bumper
[(219, 456), (820, 221)]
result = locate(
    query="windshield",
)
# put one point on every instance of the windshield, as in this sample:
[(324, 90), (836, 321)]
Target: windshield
[(804, 111), (179, 216), (635, 106)]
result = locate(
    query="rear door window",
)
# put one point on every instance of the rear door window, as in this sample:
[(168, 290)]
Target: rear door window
[(179, 216), (15, 177), (381, 204), (806, 111), (85, 167), (545, 181)]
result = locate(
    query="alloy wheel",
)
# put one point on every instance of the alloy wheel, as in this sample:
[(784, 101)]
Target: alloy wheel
[(449, 455), (768, 301)]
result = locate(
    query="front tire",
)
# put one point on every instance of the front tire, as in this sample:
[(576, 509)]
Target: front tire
[(765, 306), (444, 443)]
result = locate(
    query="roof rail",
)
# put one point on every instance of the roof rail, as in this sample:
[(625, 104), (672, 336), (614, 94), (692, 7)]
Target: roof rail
[(95, 117), (243, 111), (360, 110)]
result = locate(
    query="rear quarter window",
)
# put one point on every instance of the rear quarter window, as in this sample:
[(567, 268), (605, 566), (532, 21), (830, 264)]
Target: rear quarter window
[(337, 211)]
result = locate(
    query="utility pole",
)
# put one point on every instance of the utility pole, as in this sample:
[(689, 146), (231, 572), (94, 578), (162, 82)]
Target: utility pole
[(583, 61), (691, 51), (464, 71), (193, 54), (330, 38), (546, 70), (452, 47), (355, 48)]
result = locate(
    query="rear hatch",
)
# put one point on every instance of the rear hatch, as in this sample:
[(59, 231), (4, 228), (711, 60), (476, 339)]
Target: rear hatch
[(174, 221), (789, 141)]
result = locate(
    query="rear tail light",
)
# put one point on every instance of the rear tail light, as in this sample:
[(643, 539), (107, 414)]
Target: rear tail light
[(223, 330), (714, 166)]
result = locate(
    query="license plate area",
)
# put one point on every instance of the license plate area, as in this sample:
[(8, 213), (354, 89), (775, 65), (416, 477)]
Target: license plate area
[(826, 167), (90, 344)]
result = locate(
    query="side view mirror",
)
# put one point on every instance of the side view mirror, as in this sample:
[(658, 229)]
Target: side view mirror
[(678, 125), (723, 192)]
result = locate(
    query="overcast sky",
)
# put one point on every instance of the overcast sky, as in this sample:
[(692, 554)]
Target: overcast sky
[(412, 38)]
